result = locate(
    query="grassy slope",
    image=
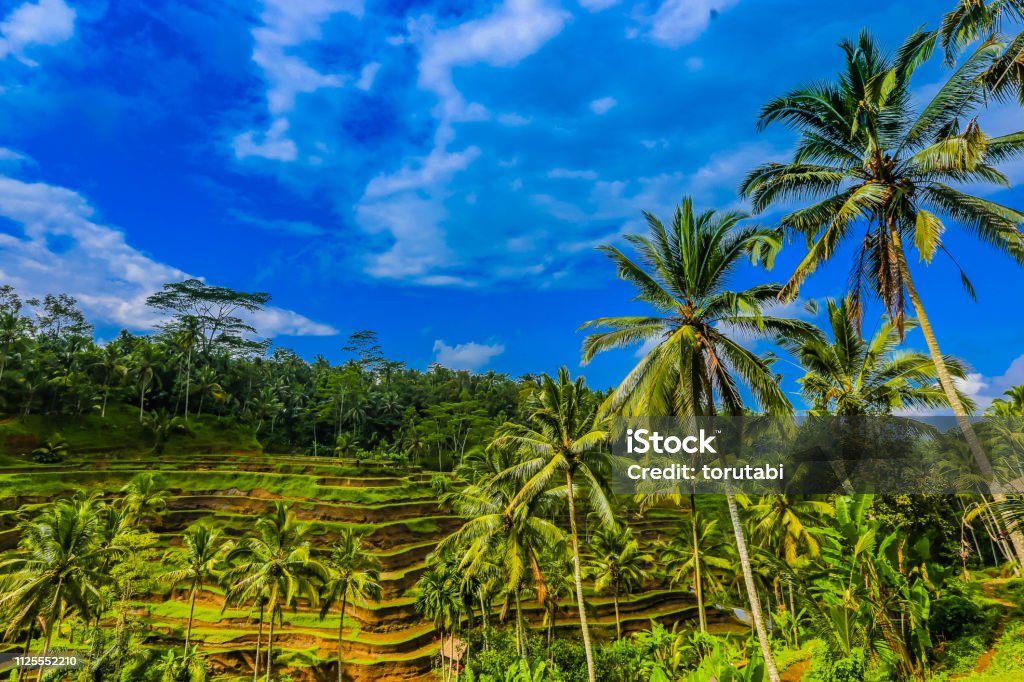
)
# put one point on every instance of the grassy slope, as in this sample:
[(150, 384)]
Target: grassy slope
[(120, 431)]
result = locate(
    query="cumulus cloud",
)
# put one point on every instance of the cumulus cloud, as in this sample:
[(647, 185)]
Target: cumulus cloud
[(471, 355), (678, 22), (63, 248), (46, 22), (985, 389)]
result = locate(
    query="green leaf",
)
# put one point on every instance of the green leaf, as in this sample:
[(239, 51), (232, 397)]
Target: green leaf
[(928, 231)]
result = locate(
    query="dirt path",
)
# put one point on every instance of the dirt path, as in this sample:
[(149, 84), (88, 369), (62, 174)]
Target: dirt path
[(988, 587), (795, 672)]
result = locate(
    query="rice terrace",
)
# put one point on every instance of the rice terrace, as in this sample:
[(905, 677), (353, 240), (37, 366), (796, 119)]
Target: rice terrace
[(555, 261)]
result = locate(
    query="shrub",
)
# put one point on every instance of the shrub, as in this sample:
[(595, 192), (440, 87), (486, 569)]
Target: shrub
[(954, 615)]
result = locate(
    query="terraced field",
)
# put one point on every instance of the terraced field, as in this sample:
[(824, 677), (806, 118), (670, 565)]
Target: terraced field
[(394, 507)]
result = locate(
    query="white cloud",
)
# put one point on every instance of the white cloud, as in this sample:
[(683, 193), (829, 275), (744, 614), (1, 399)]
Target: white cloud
[(471, 356), (433, 169), (286, 25), (408, 204), (15, 159), (273, 144), (46, 22), (64, 249), (985, 389), (412, 222), (678, 22), (603, 105), (513, 31), (368, 75)]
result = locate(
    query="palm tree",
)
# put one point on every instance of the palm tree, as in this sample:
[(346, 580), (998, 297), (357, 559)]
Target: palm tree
[(854, 376), (1010, 406), (440, 600), (145, 497), (695, 365), (872, 163), (354, 576), (186, 338), (788, 523), (54, 573), (973, 20), (145, 365), (698, 558), (198, 564), (275, 564), (618, 564), (563, 435), (514, 536)]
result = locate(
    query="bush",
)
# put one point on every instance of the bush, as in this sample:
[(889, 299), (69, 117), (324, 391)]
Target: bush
[(953, 615)]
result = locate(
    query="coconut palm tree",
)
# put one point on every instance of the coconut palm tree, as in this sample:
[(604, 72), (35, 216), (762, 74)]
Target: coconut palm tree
[(54, 572), (145, 365), (440, 600), (854, 376), (513, 536), (198, 564), (275, 564), (696, 367), (563, 436), (699, 557), (618, 564), (354, 577), (876, 166), (789, 524), (974, 20)]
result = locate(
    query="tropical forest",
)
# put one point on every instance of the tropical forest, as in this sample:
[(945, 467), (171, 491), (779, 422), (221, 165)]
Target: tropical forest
[(196, 501)]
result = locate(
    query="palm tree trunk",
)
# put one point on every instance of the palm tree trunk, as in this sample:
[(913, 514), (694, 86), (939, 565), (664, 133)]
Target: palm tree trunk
[(946, 381), (188, 380), (341, 629), (618, 623), (270, 643), (520, 635), (698, 583), (578, 578), (28, 642), (748, 579), (259, 640), (142, 396), (191, 613), (483, 616)]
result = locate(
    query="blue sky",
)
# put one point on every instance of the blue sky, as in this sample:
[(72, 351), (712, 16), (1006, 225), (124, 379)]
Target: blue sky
[(438, 172)]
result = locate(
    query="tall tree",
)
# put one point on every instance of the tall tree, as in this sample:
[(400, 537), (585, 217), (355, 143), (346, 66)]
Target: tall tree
[(54, 573), (563, 435), (974, 20), (875, 165), (618, 564), (215, 312), (354, 578), (275, 564), (854, 376), (695, 365), (198, 564)]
